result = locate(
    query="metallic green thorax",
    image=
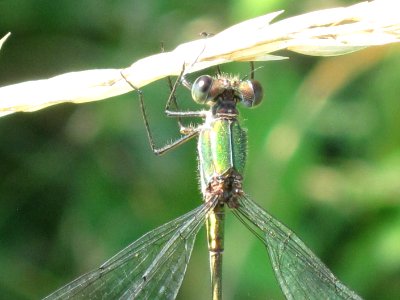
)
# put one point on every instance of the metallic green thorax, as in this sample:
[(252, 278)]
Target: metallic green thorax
[(222, 149)]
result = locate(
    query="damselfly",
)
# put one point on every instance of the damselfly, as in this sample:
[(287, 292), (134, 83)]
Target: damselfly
[(153, 267)]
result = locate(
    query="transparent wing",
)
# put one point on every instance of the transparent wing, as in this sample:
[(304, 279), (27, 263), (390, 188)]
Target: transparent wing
[(300, 273), (150, 268)]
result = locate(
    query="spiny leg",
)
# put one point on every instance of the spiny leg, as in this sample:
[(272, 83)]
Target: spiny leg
[(179, 120), (172, 98), (189, 132), (252, 70)]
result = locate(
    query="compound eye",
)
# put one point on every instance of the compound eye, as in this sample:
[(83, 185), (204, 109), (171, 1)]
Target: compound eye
[(251, 93), (201, 89)]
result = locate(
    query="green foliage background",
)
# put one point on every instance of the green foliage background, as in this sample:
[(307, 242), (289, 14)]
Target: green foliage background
[(79, 182)]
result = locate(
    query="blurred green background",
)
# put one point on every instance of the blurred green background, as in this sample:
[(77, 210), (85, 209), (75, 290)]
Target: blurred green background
[(79, 182)]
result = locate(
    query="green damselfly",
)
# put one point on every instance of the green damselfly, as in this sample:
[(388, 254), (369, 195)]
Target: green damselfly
[(153, 267)]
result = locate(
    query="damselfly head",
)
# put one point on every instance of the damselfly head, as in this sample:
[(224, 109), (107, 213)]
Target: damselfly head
[(211, 90)]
